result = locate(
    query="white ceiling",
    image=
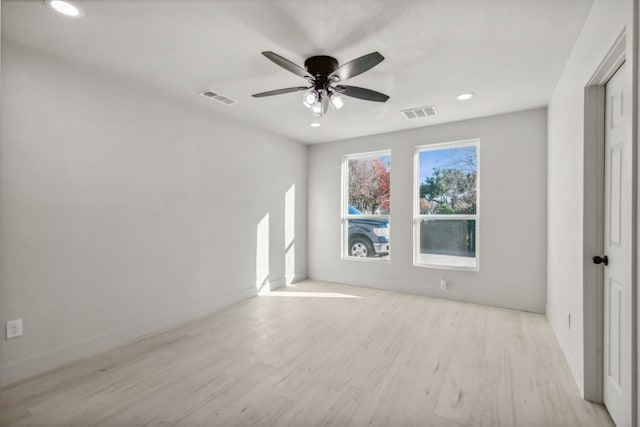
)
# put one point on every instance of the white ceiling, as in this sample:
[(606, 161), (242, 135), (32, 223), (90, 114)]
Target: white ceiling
[(509, 52)]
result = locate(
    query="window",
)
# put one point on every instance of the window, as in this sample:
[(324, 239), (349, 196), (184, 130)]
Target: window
[(366, 207), (446, 205)]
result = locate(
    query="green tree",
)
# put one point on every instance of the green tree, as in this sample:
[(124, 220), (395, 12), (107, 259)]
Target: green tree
[(449, 191)]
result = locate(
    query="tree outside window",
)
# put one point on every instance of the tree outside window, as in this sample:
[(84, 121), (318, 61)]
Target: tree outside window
[(370, 185), (447, 205), (366, 206)]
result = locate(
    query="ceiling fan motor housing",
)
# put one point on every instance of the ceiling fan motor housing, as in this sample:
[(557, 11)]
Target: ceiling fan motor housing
[(321, 67)]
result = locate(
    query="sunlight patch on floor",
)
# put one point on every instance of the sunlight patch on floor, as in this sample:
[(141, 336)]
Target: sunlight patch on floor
[(307, 294)]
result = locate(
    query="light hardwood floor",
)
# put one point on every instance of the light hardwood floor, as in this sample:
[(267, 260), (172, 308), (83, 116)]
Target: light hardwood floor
[(320, 354)]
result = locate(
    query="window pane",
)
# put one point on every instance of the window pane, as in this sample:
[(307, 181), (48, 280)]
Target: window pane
[(367, 207), (447, 242), (447, 180), (369, 187), (446, 214), (368, 238)]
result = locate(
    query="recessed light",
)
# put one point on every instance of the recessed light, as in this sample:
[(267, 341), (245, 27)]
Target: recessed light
[(314, 125), (465, 96), (65, 8)]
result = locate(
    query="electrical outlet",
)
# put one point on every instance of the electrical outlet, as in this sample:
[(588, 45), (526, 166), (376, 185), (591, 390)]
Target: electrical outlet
[(444, 285), (14, 328)]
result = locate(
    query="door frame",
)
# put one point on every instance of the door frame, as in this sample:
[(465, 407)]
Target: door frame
[(593, 223), (593, 219)]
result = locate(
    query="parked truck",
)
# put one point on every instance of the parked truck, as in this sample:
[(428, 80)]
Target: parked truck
[(368, 237)]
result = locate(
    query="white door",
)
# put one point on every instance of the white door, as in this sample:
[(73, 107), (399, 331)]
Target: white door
[(617, 245)]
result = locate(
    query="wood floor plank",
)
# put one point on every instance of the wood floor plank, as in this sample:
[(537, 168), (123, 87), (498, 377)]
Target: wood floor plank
[(70, 374), (462, 386), (320, 354), (496, 379)]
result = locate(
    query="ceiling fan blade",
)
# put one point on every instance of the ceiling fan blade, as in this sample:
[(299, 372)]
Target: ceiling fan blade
[(358, 66), (280, 91), (286, 64), (362, 93)]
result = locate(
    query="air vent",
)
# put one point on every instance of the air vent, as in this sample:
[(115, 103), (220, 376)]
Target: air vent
[(219, 98), (415, 113)]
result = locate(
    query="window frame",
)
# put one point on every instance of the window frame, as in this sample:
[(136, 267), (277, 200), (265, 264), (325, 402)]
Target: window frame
[(418, 217), (344, 207)]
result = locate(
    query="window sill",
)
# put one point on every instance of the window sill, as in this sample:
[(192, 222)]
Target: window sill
[(384, 260), (449, 262)]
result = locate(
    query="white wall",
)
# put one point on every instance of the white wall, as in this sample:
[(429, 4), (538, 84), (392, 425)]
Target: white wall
[(122, 212), (636, 16), (512, 208), (565, 175)]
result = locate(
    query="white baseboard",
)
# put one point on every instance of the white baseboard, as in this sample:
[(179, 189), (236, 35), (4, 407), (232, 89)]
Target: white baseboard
[(452, 294), (22, 369), (575, 366), (300, 276), (277, 283), (282, 281)]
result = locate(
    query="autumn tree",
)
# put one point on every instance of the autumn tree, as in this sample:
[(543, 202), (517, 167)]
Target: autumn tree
[(370, 185), (382, 175)]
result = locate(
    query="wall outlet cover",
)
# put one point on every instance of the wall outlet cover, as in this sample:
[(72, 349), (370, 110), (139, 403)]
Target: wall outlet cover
[(14, 328)]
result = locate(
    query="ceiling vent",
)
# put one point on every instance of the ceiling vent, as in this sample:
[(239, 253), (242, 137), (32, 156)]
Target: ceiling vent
[(416, 113), (219, 98)]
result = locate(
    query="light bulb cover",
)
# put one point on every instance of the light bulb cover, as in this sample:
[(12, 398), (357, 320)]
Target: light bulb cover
[(465, 96), (336, 100), (65, 8), (309, 98)]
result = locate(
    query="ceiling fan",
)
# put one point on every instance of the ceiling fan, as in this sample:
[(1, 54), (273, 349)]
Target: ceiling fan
[(324, 75)]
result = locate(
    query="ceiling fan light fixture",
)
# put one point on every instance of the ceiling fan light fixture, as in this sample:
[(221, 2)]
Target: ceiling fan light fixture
[(309, 98), (316, 108), (65, 8), (336, 100)]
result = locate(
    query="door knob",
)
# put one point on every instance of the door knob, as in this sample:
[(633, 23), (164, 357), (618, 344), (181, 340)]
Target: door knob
[(600, 260)]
